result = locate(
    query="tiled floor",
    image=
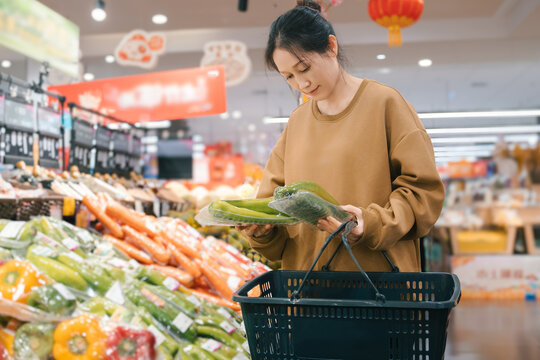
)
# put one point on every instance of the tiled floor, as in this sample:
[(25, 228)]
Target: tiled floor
[(494, 330)]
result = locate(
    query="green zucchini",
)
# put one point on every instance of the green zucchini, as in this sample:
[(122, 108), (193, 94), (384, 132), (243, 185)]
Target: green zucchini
[(285, 191), (260, 205), (223, 210)]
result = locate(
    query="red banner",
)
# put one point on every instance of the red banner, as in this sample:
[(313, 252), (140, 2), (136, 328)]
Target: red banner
[(167, 95)]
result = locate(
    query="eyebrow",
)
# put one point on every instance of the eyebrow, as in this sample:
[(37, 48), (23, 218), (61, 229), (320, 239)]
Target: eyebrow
[(295, 65)]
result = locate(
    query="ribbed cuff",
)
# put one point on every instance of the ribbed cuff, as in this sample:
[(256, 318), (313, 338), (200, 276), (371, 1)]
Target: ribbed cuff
[(372, 227)]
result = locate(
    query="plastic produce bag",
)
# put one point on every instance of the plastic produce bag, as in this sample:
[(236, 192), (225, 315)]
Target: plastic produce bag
[(308, 207), (222, 217)]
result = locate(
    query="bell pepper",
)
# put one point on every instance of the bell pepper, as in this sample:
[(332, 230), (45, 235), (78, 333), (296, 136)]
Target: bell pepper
[(49, 299), (17, 278), (33, 341), (80, 338), (130, 344), (6, 339)]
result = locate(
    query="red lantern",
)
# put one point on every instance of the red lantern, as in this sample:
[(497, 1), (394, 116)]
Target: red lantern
[(394, 15)]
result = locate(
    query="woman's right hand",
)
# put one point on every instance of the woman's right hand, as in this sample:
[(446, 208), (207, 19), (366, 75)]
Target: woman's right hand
[(256, 231)]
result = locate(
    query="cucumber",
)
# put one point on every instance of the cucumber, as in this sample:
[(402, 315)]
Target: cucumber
[(260, 205), (285, 191), (223, 210)]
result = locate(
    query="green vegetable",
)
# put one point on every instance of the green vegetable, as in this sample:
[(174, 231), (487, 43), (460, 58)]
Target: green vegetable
[(174, 297), (260, 205), (56, 270), (33, 341), (99, 306), (285, 191), (150, 275), (223, 353), (100, 283), (196, 353), (49, 299), (223, 210)]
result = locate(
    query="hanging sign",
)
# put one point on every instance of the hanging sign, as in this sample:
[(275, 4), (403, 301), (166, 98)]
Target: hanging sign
[(18, 134), (120, 157), (232, 55), (103, 146), (49, 137), (81, 153), (139, 48), (167, 95)]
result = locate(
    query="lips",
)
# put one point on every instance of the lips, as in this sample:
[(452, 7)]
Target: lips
[(313, 92)]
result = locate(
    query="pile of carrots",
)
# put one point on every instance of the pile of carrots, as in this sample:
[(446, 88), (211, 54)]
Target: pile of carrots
[(210, 268)]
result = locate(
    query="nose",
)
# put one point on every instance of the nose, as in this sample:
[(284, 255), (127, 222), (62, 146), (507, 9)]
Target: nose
[(304, 83)]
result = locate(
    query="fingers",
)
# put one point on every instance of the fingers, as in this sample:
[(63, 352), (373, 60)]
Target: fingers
[(255, 230)]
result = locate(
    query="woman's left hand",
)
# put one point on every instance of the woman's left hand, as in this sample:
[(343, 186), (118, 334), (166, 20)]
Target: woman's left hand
[(330, 224)]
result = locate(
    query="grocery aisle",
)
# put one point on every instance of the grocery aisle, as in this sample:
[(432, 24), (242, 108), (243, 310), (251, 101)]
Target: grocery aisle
[(494, 330)]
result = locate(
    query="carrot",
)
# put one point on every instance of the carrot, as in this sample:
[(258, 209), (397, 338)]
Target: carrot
[(181, 276), (229, 261), (216, 300), (202, 283), (215, 279), (184, 261), (154, 249), (131, 218), (129, 250), (110, 224), (181, 245)]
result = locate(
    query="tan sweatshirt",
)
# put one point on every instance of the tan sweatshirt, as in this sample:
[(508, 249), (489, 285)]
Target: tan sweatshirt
[(375, 155)]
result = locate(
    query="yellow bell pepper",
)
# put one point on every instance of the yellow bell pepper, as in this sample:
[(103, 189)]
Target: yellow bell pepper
[(17, 278), (6, 338), (80, 338)]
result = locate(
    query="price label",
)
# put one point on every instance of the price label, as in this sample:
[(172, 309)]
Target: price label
[(211, 345), (171, 284), (225, 325), (64, 291), (182, 322), (240, 356), (11, 230), (245, 346), (47, 240), (70, 244), (44, 251), (133, 263), (234, 282), (225, 313), (119, 263), (156, 207), (193, 299), (138, 206), (243, 327), (75, 257), (85, 236), (115, 294), (157, 334)]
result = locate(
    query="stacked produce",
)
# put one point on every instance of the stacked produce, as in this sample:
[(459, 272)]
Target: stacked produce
[(69, 294)]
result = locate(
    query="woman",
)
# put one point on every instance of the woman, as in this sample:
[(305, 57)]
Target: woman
[(358, 139)]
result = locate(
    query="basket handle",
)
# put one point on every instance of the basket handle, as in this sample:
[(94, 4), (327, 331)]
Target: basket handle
[(347, 228)]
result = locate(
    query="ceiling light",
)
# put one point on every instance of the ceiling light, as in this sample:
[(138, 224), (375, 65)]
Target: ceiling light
[(446, 149), (524, 129), (6, 64), (492, 139), (275, 120), (109, 59), (98, 13), (161, 124), (425, 62), (236, 114), (385, 71), (159, 19), (381, 57), (88, 76), (252, 127), (224, 116), (480, 114)]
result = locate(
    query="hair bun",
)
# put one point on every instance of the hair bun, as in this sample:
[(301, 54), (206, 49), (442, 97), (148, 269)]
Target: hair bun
[(309, 4)]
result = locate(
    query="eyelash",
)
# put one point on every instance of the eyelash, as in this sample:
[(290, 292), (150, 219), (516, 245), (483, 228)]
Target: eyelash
[(303, 71)]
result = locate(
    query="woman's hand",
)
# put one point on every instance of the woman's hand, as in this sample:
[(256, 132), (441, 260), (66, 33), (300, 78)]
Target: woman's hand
[(256, 231), (330, 224)]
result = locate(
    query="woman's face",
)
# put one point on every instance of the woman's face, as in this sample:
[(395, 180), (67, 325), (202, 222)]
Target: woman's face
[(311, 73)]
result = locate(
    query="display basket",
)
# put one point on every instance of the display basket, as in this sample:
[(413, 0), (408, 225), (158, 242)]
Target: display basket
[(25, 208), (348, 315)]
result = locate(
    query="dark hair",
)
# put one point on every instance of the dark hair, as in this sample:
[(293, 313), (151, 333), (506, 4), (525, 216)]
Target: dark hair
[(302, 29)]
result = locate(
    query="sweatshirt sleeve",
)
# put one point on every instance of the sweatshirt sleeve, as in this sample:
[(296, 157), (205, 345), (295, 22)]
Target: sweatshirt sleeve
[(417, 194), (272, 245)]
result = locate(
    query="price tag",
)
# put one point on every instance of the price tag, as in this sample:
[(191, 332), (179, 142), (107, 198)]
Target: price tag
[(75, 257), (138, 206), (166, 208), (234, 282), (157, 334), (85, 236), (55, 211), (134, 263), (156, 207), (171, 284), (225, 325), (241, 356), (193, 299), (44, 251), (70, 244), (182, 322), (225, 313), (115, 294), (12, 229), (243, 327), (47, 240), (64, 291), (211, 345), (245, 346)]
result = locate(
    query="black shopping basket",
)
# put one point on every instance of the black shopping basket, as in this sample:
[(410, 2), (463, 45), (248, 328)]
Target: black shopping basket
[(348, 315)]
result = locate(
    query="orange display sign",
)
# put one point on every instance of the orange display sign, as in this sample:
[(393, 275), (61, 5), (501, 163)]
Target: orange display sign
[(167, 95)]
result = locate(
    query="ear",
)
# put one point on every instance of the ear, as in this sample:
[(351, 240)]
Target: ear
[(332, 45)]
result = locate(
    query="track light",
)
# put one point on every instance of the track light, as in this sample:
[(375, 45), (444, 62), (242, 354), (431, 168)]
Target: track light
[(98, 13), (242, 5)]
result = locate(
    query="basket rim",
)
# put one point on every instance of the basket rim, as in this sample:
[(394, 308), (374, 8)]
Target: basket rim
[(241, 295)]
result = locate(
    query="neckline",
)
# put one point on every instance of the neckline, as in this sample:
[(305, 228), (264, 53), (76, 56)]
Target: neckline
[(344, 112)]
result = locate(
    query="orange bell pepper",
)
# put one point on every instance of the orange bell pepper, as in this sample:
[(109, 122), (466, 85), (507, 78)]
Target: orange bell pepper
[(17, 278)]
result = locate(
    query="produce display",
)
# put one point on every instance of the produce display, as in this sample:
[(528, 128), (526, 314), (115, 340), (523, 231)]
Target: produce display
[(69, 293)]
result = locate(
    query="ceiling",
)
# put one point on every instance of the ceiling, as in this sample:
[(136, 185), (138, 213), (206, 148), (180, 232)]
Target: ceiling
[(486, 55)]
